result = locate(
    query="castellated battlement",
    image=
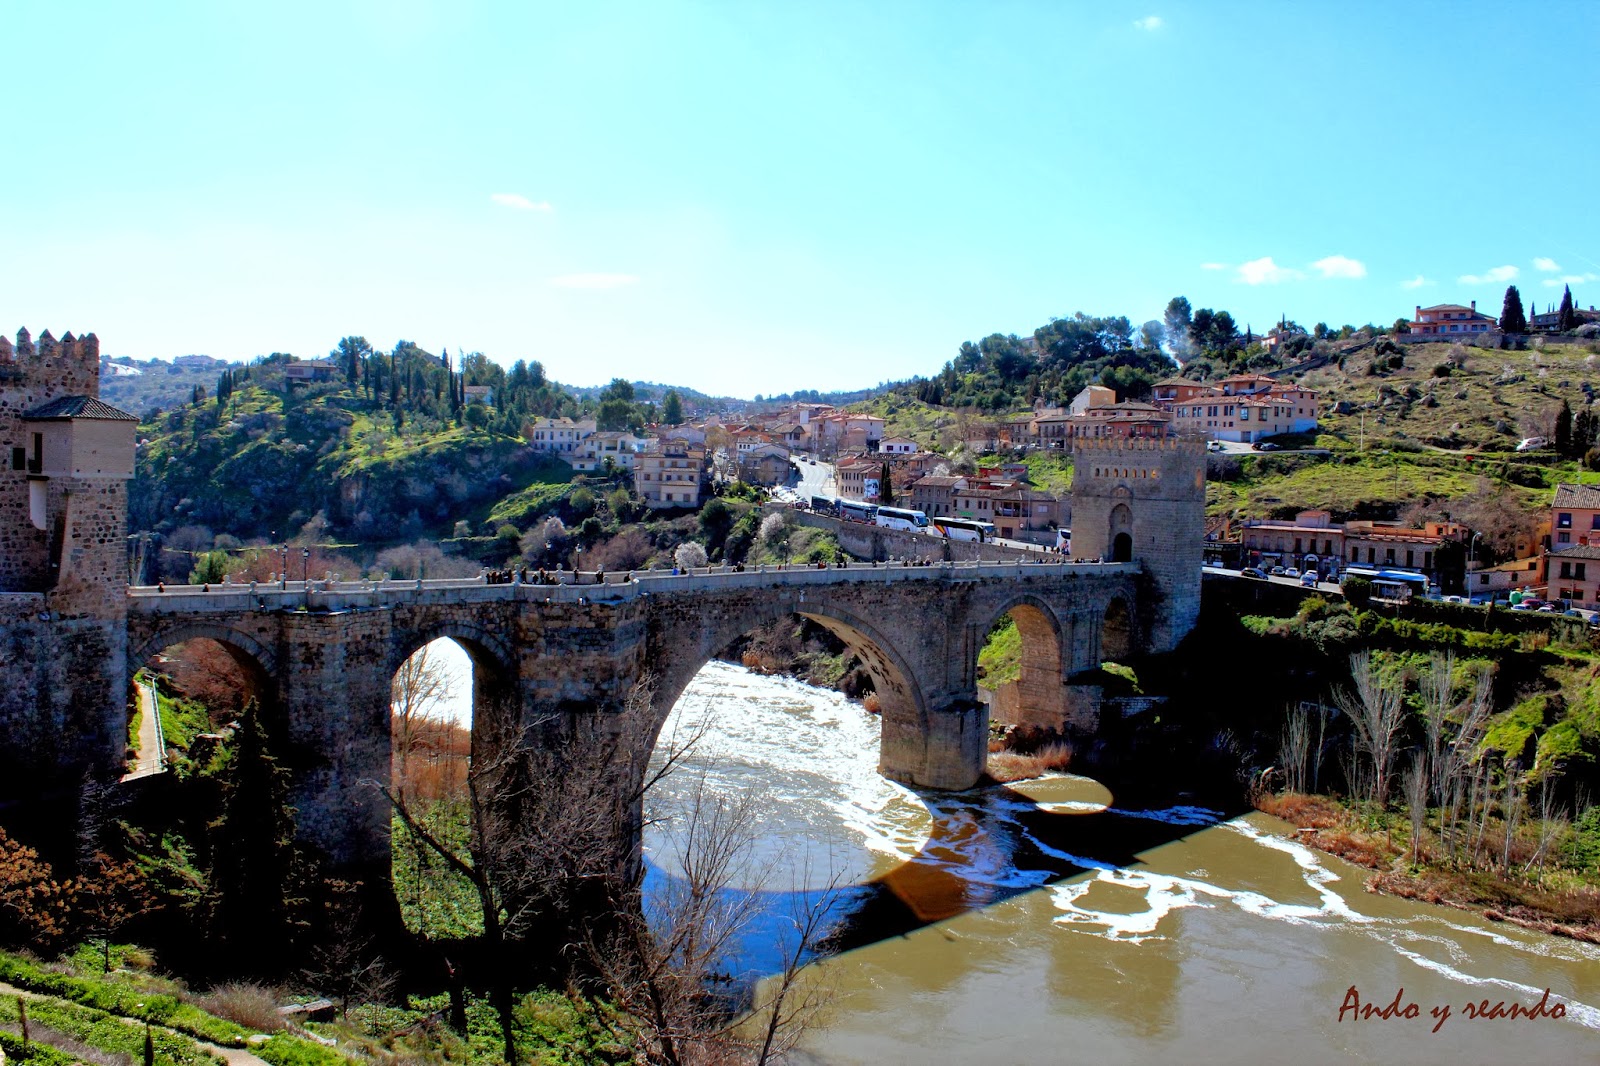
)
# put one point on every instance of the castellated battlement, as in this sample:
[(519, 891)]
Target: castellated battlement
[(47, 349)]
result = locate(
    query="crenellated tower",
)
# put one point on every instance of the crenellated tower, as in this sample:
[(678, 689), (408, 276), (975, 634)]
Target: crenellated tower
[(65, 460), (1144, 500)]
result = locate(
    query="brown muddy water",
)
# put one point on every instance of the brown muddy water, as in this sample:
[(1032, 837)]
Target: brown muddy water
[(1052, 921)]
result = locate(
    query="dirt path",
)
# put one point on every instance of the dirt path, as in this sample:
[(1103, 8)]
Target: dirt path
[(233, 1056), (150, 758)]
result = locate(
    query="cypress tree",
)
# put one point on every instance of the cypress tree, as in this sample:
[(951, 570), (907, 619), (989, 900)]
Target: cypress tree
[(885, 486), (253, 854), (1568, 318), (1512, 317), (1563, 435)]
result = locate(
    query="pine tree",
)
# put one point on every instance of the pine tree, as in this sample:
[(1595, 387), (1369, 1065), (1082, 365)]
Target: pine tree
[(1512, 317), (672, 408), (1568, 318), (1563, 434)]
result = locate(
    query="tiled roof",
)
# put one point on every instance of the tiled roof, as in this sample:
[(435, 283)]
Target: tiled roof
[(1580, 551), (1584, 496), (78, 407)]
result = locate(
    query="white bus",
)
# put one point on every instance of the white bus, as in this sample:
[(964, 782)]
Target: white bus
[(900, 518), (1063, 540), (851, 511), (963, 529)]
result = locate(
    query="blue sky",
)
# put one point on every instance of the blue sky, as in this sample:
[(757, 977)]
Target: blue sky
[(751, 197)]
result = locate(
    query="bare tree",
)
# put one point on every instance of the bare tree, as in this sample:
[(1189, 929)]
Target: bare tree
[(1415, 786), (1293, 747), (1553, 823), (1377, 713), (417, 694)]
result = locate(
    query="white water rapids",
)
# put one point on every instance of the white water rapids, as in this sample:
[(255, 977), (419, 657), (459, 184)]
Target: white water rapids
[(1005, 924)]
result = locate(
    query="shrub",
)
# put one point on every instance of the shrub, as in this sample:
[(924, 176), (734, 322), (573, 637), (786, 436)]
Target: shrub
[(1357, 591), (251, 1006), (689, 554)]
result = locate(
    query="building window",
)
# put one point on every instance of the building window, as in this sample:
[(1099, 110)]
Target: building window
[(1563, 538), (1578, 569), (1563, 520)]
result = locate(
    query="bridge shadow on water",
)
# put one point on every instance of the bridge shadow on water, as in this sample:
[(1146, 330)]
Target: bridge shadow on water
[(984, 847)]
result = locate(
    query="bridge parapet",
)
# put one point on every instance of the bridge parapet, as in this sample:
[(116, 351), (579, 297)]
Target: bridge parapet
[(324, 596)]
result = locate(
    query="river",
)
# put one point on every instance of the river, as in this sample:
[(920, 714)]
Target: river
[(1051, 921)]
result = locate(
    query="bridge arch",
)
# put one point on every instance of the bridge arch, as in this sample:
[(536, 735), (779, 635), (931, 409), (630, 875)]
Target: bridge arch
[(1038, 696), (249, 652), (905, 716)]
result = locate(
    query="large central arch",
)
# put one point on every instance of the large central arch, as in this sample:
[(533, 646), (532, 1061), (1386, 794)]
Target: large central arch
[(905, 739)]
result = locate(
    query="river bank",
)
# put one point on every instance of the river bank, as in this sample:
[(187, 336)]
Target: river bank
[(1556, 900)]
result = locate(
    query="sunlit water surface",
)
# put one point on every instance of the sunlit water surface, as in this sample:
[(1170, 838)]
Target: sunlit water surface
[(1044, 923)]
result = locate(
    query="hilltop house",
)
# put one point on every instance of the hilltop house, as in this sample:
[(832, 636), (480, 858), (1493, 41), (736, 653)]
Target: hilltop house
[(1446, 322)]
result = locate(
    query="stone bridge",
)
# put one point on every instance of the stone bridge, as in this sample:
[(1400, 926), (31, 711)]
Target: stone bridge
[(603, 664)]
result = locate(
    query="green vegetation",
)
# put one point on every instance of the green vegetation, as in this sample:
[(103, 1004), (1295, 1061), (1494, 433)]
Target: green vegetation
[(109, 1032), (436, 902), (144, 1003), (1000, 659)]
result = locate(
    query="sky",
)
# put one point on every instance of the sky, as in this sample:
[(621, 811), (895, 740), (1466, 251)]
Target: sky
[(749, 197)]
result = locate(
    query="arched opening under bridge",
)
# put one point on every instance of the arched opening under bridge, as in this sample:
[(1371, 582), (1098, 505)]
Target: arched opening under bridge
[(446, 693), (188, 689)]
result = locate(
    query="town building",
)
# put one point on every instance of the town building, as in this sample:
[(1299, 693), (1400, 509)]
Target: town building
[(1314, 540), (619, 446), (667, 474), (898, 446), (306, 371), (483, 394), (1573, 575), (559, 436), (1446, 322), (1575, 517), (934, 494), (768, 464), (1550, 321)]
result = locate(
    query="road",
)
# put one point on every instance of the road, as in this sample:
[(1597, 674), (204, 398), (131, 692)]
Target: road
[(1293, 582), (816, 479)]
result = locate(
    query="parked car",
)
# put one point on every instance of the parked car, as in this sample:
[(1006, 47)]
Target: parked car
[(1309, 579), (1213, 445), (1290, 571), (1531, 444), (1253, 571), (1276, 571), (1264, 446)]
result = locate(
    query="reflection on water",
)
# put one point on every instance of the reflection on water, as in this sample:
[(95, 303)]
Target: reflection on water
[(1014, 924)]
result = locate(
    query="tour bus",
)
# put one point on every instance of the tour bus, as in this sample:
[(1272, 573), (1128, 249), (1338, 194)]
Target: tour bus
[(900, 518), (962, 529), (1390, 586), (851, 511), (825, 505), (1063, 540)]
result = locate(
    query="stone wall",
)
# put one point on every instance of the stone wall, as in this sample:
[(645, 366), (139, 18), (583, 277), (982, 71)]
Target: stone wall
[(876, 544), (596, 669)]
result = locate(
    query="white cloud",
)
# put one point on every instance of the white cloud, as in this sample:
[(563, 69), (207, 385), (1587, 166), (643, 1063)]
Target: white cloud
[(1339, 266), (1213, 266), (1150, 23), (1571, 279), (1415, 283), (1546, 264), (1264, 271), (1500, 273), (520, 202), (593, 281)]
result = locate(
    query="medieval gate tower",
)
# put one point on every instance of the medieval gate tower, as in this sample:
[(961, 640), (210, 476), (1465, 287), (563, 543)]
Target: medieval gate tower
[(1145, 499), (65, 459)]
